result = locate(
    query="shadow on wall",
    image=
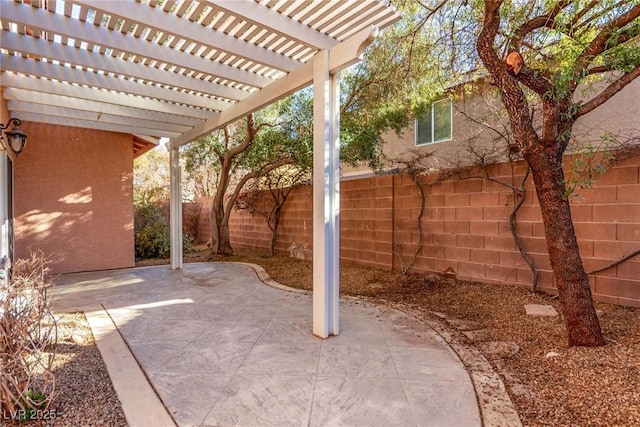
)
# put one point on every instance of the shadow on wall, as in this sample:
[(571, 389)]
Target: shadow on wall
[(75, 233), (73, 198)]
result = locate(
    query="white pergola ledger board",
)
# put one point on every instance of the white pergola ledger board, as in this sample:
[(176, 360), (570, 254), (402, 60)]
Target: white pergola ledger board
[(182, 68)]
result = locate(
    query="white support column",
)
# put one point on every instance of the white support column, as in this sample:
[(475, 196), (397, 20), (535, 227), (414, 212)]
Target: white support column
[(175, 208), (4, 210), (326, 199)]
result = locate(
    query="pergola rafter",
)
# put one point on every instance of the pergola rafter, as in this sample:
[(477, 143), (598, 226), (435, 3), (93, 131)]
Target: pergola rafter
[(179, 69)]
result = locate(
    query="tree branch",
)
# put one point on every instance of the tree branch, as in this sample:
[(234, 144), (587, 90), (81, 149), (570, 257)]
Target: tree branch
[(547, 20), (600, 43), (614, 263), (608, 92), (583, 12), (490, 28), (534, 81), (248, 139), (521, 192), (599, 69), (512, 96), (598, 15), (247, 177)]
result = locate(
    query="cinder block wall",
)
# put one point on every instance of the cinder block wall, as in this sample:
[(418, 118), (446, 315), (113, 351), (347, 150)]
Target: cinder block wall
[(466, 228), (74, 198)]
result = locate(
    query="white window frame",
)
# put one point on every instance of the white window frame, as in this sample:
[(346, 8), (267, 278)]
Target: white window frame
[(433, 125)]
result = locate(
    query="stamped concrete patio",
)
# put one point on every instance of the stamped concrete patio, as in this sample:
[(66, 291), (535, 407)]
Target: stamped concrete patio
[(221, 348)]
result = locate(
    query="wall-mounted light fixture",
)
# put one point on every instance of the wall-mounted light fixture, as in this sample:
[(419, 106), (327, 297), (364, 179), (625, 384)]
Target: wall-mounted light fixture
[(16, 139)]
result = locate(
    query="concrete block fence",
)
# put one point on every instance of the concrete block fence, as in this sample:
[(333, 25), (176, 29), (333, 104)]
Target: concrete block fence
[(465, 228)]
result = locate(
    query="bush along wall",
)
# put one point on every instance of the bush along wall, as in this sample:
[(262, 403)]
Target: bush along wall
[(151, 229)]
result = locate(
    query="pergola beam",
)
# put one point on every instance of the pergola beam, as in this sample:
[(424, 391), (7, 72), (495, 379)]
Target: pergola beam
[(160, 127), (48, 71), (87, 124), (254, 13), (96, 61), (103, 102), (340, 57), (115, 40), (170, 24)]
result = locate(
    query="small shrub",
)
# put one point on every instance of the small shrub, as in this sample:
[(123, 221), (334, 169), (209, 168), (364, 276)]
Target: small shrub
[(38, 400), (151, 230), (27, 335), (152, 241)]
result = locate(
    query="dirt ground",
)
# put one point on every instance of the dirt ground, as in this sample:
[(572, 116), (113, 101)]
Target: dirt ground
[(576, 387)]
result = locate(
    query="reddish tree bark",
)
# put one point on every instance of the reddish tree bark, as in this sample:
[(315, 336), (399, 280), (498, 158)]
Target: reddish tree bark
[(221, 211), (543, 148), (581, 321)]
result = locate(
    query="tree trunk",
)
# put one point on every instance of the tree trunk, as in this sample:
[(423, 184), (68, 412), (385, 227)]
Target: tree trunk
[(274, 229), (581, 321), (224, 241), (220, 240)]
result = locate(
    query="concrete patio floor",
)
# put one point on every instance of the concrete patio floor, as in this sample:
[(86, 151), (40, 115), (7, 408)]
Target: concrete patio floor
[(221, 348)]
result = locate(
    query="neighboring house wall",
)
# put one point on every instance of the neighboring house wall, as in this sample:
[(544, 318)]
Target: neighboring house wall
[(74, 198), (466, 228), (618, 116)]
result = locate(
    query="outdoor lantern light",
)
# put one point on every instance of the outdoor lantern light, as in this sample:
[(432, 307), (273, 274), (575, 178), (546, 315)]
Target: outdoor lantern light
[(16, 139)]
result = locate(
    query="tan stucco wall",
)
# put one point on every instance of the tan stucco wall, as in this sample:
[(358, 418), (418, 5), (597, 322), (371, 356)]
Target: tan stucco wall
[(73, 198), (619, 116)]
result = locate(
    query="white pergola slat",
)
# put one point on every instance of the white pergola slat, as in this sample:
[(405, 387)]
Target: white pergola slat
[(22, 72), (130, 69), (276, 23), (102, 101), (196, 59), (115, 40), (179, 69)]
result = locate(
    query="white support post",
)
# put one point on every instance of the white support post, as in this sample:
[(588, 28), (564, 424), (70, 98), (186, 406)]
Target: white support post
[(175, 208), (4, 214), (326, 199)]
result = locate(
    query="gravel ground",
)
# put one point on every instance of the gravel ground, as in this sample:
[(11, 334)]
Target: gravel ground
[(578, 387), (84, 394)]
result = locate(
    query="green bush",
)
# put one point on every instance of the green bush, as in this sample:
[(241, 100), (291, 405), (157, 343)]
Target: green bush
[(152, 241), (151, 231)]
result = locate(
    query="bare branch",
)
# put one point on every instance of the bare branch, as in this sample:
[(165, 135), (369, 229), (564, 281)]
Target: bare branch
[(583, 12), (547, 20), (616, 262), (248, 139), (27, 336), (249, 176), (534, 81), (601, 13), (521, 193), (598, 70), (608, 92)]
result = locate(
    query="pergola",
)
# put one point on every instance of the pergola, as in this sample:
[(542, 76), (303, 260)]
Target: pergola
[(179, 69)]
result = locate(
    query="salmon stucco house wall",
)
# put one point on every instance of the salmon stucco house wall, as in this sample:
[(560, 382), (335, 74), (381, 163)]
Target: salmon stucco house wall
[(76, 201), (73, 196)]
